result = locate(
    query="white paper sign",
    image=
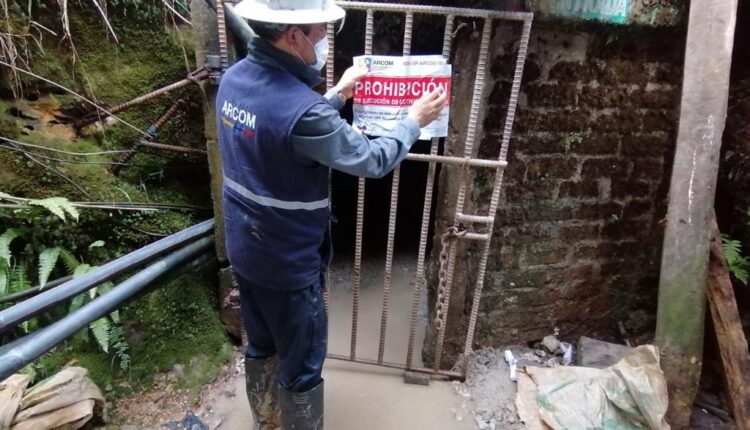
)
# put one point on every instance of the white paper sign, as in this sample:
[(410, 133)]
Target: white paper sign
[(393, 84)]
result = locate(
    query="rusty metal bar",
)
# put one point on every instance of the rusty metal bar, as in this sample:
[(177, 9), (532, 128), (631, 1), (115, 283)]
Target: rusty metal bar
[(357, 271), (193, 77), (331, 34), (420, 281), (494, 200), (460, 201), (481, 219), (223, 50), (408, 25), (446, 373), (435, 10), (115, 169), (173, 148), (459, 161)]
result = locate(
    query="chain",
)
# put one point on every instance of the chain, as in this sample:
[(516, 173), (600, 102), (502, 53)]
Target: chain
[(447, 242)]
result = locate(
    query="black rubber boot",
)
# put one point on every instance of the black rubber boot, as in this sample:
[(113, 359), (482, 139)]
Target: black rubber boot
[(263, 392), (302, 411)]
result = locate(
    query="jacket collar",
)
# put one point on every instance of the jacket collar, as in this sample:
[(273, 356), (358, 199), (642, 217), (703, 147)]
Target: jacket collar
[(265, 53)]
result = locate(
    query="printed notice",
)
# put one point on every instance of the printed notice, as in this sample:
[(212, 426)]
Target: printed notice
[(392, 85)]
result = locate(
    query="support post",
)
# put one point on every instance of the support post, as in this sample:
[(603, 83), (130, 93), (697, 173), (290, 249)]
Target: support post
[(684, 265), (206, 34)]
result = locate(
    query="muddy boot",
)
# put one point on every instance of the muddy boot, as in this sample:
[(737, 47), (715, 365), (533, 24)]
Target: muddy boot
[(263, 392), (302, 411)]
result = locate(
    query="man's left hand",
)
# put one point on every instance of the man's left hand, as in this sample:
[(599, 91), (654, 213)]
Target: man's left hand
[(349, 79)]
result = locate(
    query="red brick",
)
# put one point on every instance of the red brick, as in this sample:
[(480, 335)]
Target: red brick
[(604, 97), (598, 144), (659, 120), (569, 71), (561, 95), (579, 232), (647, 145), (545, 256), (541, 145), (598, 210), (637, 209), (623, 189)]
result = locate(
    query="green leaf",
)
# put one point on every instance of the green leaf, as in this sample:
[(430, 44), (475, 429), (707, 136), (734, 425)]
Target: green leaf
[(76, 303), (5, 239), (738, 265), (47, 261), (5, 196), (100, 328), (18, 279), (3, 280), (81, 270), (97, 244), (70, 260), (59, 206), (115, 316)]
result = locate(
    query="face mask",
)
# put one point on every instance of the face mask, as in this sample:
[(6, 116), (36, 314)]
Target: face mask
[(321, 53)]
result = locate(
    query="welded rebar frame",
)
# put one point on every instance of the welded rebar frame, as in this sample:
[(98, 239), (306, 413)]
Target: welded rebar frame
[(464, 163)]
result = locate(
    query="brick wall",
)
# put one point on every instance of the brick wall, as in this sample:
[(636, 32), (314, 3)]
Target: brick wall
[(577, 237)]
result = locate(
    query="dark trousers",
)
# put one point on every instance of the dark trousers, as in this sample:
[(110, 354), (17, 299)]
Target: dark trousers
[(292, 324)]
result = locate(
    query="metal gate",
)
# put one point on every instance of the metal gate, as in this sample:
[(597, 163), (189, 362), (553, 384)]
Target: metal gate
[(458, 231)]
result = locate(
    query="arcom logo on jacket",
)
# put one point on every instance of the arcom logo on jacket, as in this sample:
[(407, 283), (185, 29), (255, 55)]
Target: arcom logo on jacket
[(238, 119)]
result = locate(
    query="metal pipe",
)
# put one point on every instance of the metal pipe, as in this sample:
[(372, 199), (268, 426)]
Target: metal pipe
[(30, 292), (457, 161), (16, 355), (495, 198), (420, 281), (237, 25), (357, 269), (11, 317), (436, 10)]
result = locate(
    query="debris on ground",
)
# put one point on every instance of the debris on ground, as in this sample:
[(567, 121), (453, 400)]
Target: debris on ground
[(190, 422), (630, 394), (600, 354), (69, 399)]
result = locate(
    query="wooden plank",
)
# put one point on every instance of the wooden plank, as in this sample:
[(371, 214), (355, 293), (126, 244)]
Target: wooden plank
[(732, 342)]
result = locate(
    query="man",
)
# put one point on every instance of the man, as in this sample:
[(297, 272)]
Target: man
[(278, 139)]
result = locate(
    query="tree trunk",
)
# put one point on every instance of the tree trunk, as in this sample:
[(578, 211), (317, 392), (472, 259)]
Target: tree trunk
[(684, 266)]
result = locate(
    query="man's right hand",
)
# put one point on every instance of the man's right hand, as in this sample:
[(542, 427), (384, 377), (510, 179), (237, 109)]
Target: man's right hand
[(428, 108)]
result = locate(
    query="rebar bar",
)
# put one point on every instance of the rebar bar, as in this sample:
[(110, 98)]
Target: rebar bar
[(172, 148), (494, 199), (460, 200), (222, 25), (357, 270), (458, 161), (193, 77), (420, 282), (396, 178), (435, 10), (331, 34)]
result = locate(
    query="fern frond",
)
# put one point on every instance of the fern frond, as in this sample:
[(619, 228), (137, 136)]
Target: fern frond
[(59, 206), (115, 315), (5, 239), (97, 244), (47, 261), (3, 280), (70, 260), (19, 279), (76, 303), (738, 265), (81, 270), (100, 328)]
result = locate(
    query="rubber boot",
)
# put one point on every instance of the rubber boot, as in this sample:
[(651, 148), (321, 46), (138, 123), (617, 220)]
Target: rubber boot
[(263, 392), (302, 411)]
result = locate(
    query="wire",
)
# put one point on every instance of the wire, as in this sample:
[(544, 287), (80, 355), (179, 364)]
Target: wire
[(82, 154), (44, 157)]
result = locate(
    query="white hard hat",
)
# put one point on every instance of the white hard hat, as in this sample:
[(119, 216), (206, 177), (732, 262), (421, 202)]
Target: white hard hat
[(290, 11)]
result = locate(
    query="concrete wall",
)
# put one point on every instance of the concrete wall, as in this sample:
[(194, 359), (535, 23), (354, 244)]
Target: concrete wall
[(577, 238)]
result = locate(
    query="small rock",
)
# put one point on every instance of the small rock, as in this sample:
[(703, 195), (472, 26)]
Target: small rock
[(540, 353), (459, 417), (483, 359), (179, 370), (550, 343)]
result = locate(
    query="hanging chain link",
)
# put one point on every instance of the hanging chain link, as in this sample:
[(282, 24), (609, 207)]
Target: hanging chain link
[(447, 241)]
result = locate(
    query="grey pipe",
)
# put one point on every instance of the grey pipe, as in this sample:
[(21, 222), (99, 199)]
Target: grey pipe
[(33, 291), (21, 352), (11, 317)]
